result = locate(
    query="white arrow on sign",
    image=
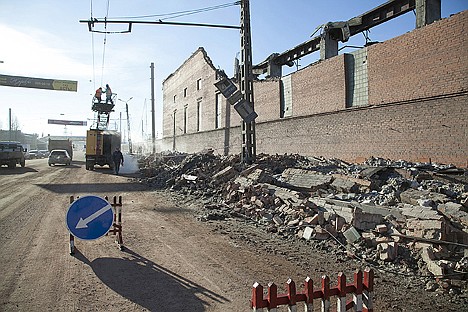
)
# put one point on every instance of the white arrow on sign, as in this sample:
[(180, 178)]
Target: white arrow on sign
[(83, 223)]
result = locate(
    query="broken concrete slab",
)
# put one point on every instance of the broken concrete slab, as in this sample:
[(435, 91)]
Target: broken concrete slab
[(305, 180), (351, 235), (308, 232), (381, 228), (419, 212), (224, 175), (260, 176), (365, 221), (286, 195), (427, 255), (432, 229), (343, 185), (387, 251), (454, 212), (412, 196), (362, 183)]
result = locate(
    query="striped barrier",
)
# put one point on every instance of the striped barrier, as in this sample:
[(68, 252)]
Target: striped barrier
[(361, 289)]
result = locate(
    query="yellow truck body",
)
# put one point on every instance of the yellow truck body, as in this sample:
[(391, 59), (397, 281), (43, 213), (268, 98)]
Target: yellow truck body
[(100, 144)]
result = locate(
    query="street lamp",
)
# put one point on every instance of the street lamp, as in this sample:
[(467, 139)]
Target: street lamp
[(128, 124)]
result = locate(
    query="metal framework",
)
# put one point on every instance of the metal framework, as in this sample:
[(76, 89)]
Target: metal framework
[(374, 17), (249, 149), (93, 21)]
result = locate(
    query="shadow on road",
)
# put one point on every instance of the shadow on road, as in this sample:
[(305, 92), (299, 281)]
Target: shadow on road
[(150, 285), (93, 187), (17, 170)]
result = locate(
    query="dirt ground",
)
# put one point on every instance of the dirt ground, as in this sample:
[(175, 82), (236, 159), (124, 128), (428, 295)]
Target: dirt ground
[(172, 261)]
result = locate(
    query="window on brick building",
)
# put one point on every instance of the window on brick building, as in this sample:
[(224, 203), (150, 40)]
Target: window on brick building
[(175, 98), (185, 92), (218, 110), (199, 114), (185, 118), (199, 84)]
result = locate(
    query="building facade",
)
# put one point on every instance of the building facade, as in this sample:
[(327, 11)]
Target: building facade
[(405, 98)]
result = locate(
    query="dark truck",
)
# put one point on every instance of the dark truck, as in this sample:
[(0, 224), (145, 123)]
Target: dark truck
[(12, 153)]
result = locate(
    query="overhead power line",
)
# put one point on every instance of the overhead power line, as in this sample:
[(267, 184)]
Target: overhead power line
[(165, 16)]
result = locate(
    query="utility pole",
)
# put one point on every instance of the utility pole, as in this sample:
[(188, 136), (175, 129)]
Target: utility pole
[(128, 126), (153, 123), (9, 124), (249, 149)]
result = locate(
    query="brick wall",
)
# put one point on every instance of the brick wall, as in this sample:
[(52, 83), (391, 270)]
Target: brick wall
[(267, 99), (419, 81), (196, 67), (434, 129), (319, 88), (425, 62)]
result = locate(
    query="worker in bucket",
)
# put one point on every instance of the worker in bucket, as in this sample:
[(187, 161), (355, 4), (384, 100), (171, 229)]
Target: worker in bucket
[(109, 94), (118, 159), (98, 94)]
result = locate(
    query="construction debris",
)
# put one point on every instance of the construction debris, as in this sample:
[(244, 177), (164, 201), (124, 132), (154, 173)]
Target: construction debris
[(413, 215)]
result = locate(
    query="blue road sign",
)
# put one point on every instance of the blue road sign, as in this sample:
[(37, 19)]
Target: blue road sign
[(89, 217)]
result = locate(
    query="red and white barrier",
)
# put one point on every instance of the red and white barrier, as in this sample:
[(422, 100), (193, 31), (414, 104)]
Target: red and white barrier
[(362, 290)]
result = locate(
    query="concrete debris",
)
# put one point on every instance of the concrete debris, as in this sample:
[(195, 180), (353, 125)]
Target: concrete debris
[(387, 251), (454, 212), (374, 207), (351, 235), (305, 180)]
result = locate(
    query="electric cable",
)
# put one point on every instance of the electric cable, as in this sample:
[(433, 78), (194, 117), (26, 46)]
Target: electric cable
[(105, 42), (165, 16), (92, 49)]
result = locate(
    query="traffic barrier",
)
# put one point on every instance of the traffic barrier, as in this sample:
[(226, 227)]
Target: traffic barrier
[(361, 289), (117, 225)]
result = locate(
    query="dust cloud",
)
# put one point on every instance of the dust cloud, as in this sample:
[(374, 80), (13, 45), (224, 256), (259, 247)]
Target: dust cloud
[(130, 164)]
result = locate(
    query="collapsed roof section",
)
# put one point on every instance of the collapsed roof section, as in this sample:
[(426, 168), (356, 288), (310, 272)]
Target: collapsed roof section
[(427, 11)]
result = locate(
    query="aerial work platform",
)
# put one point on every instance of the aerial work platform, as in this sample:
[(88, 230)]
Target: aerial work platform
[(101, 107), (102, 110)]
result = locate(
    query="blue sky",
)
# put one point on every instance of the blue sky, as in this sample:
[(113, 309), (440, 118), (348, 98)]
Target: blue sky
[(44, 39)]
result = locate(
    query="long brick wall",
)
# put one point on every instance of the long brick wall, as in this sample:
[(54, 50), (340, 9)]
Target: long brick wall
[(430, 130), (434, 130)]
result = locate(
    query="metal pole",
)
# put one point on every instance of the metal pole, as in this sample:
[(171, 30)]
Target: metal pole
[(128, 126), (9, 123), (153, 123), (246, 84)]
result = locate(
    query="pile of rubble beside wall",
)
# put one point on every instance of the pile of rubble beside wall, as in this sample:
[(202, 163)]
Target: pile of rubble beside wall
[(413, 216)]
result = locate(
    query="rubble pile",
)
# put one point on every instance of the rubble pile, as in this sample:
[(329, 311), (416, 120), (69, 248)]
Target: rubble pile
[(412, 217)]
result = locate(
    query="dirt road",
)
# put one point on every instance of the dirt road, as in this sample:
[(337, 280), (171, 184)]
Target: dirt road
[(172, 261)]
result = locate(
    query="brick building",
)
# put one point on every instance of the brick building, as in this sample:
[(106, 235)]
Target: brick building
[(405, 98)]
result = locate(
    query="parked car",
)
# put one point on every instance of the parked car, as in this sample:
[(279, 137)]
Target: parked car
[(43, 153), (33, 154), (59, 157)]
